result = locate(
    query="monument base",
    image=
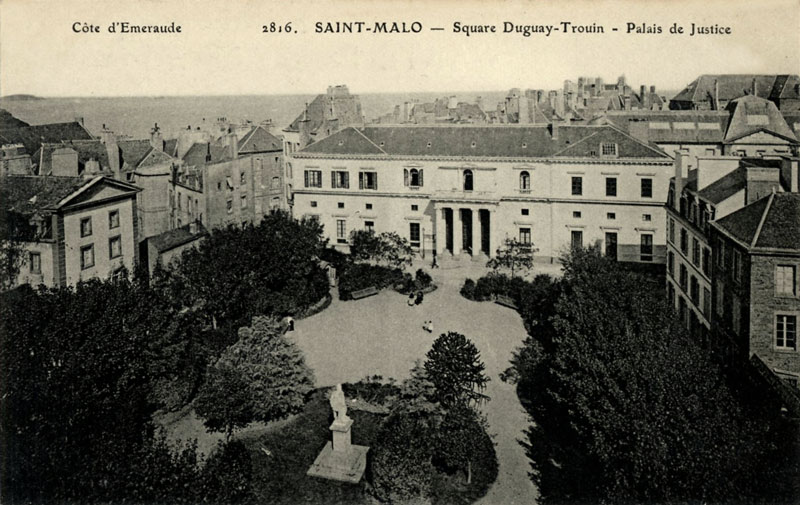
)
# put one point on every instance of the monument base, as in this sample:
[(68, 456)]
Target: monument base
[(344, 466)]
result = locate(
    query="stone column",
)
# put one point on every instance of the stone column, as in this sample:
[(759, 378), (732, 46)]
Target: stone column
[(457, 231), (476, 232), (440, 232), (491, 233)]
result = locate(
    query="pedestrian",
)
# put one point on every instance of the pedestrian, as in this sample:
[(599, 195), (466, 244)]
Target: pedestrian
[(430, 326), (419, 298), (411, 299), (434, 264)]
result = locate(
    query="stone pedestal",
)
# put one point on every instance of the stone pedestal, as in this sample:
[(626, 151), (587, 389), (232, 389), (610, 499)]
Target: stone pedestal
[(339, 459)]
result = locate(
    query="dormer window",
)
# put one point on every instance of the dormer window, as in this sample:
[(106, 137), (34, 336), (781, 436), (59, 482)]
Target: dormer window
[(473, 144), (467, 180), (382, 144), (524, 181), (608, 149), (429, 145), (524, 145), (341, 142)]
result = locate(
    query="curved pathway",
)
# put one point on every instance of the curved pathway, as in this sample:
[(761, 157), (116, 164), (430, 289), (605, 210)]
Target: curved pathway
[(382, 335)]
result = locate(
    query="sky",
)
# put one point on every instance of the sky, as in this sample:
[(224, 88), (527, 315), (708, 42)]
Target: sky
[(223, 51)]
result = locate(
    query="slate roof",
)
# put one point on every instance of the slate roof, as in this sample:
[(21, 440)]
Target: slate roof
[(17, 192), (32, 137), (133, 151), (259, 140), (770, 223), (7, 120), (676, 120), (733, 86), (177, 237), (196, 155), (751, 106), (724, 187), (87, 150), (534, 141)]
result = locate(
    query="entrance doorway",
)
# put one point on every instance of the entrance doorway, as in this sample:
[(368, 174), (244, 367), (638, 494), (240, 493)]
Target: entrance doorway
[(466, 230), (448, 230), (485, 230)]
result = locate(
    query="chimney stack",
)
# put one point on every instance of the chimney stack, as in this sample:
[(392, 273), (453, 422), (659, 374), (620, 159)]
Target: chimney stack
[(554, 129), (643, 97), (233, 144), (716, 94), (681, 170), (156, 140), (789, 174), (755, 87)]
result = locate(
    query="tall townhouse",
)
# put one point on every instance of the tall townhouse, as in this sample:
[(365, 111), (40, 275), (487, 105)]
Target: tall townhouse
[(462, 190), (72, 228)]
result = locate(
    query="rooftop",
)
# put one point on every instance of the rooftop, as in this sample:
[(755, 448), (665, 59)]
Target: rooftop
[(770, 223)]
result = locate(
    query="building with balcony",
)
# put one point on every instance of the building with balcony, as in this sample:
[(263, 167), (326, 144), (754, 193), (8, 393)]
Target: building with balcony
[(462, 190), (72, 229)]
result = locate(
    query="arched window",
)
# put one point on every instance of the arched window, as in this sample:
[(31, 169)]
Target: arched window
[(525, 181), (413, 177), (467, 180)]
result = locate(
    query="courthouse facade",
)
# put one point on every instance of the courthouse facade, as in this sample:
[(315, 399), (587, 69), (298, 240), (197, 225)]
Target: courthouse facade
[(462, 190)]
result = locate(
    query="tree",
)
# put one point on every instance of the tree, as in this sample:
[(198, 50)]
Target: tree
[(457, 438), (228, 474), (224, 402), (14, 229), (387, 247), (266, 365), (365, 245), (627, 407), (455, 368), (514, 255), (401, 465), (397, 252)]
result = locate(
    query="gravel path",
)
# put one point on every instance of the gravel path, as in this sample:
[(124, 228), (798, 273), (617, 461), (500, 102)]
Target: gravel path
[(382, 335)]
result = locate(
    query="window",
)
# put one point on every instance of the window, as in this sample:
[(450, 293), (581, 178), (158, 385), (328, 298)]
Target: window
[(611, 186), (275, 202), (340, 179), (413, 177), (786, 280), (695, 252), (611, 215), (369, 226), (647, 218), (576, 214), (242, 179), (524, 181), (340, 205), (525, 212), (577, 185), (706, 302), (369, 206), (611, 245), (694, 290), (736, 265), (683, 278), (219, 186), (706, 261), (786, 331), (276, 182), (671, 263), (467, 180), (313, 178), (87, 257), (35, 263), (86, 227), (341, 231), (229, 205), (115, 247), (113, 219), (647, 188), (415, 208), (671, 234), (229, 183), (244, 201), (684, 241), (313, 203), (525, 236), (576, 239), (368, 180), (646, 248), (413, 235), (608, 149)]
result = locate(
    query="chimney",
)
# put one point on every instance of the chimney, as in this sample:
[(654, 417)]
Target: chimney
[(108, 139), (652, 89), (156, 140), (626, 102), (761, 181), (193, 227), (681, 170), (716, 94), (639, 129), (789, 174), (208, 152), (233, 145), (755, 87), (643, 97), (554, 129)]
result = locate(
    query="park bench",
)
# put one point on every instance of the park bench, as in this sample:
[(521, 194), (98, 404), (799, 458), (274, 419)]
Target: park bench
[(506, 301), (363, 293)]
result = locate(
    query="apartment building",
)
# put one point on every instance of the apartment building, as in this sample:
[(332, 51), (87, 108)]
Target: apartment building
[(460, 191)]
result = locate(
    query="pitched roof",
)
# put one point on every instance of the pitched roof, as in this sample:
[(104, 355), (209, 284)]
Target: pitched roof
[(133, 151), (32, 137), (673, 126), (770, 223), (196, 155), (30, 194), (733, 86), (259, 140), (751, 114), (534, 141), (9, 121), (87, 150), (177, 237), (724, 187)]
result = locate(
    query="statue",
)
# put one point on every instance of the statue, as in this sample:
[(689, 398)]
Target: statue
[(339, 405)]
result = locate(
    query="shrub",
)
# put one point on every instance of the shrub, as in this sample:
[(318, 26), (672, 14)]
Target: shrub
[(423, 279), (372, 390), (468, 289), (357, 276), (401, 467), (228, 474)]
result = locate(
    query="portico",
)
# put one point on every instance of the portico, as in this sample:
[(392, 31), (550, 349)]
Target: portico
[(464, 228)]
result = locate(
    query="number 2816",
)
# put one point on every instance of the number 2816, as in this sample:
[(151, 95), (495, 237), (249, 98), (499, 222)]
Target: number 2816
[(277, 28)]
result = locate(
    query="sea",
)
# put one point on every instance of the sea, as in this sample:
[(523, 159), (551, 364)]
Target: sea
[(135, 116)]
